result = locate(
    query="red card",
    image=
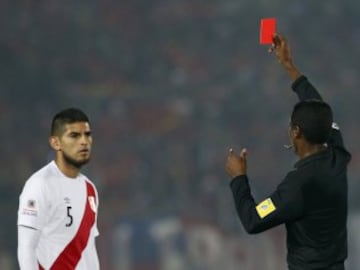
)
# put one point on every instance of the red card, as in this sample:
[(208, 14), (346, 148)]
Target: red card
[(267, 30)]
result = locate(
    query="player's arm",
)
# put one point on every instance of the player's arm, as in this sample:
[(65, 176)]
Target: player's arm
[(301, 85), (28, 239), (285, 204), (305, 90), (31, 215), (282, 51)]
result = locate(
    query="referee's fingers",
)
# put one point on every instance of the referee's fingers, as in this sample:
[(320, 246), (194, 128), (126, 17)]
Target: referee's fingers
[(243, 153)]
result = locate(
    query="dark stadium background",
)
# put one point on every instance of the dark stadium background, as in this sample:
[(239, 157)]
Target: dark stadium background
[(170, 85)]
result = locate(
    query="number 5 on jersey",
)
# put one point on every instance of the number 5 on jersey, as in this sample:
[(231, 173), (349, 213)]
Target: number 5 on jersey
[(70, 217)]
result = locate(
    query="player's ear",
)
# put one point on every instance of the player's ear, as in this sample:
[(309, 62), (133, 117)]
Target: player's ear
[(295, 132), (54, 143)]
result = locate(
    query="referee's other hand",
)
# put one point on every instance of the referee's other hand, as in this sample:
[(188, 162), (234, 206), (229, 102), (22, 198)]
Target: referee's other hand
[(236, 163)]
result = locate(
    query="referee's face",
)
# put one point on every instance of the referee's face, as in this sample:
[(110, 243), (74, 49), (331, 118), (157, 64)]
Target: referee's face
[(75, 144), (294, 134)]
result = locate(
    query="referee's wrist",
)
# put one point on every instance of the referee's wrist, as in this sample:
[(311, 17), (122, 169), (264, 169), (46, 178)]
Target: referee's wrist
[(238, 177)]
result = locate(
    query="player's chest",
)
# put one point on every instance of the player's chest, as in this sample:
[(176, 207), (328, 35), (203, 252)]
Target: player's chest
[(68, 205)]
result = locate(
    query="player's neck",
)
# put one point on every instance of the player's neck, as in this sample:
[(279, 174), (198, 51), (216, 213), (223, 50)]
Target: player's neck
[(310, 149), (67, 169)]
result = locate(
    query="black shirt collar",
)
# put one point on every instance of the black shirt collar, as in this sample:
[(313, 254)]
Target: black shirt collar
[(318, 155)]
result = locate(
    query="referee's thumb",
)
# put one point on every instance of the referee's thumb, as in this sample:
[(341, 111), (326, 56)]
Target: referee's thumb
[(243, 153)]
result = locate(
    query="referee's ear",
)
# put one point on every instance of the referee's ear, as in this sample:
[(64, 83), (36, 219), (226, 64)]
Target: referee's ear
[(295, 132), (54, 143)]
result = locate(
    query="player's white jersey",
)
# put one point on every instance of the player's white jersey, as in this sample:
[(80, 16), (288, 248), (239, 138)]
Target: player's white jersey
[(65, 211)]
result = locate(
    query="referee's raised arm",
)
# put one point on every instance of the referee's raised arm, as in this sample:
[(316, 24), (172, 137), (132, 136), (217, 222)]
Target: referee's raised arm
[(300, 84), (282, 51)]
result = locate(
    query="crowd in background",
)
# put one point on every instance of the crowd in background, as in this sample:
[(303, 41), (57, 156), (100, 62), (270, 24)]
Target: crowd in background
[(169, 86)]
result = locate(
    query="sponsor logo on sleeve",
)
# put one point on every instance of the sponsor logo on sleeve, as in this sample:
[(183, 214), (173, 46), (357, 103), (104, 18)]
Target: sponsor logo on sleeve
[(30, 208), (265, 208)]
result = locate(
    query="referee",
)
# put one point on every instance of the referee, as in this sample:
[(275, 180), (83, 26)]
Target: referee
[(312, 199)]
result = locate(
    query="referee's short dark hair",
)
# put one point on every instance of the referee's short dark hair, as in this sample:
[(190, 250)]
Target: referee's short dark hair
[(314, 119), (67, 116)]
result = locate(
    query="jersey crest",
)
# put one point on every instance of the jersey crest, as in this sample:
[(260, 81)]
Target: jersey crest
[(92, 203)]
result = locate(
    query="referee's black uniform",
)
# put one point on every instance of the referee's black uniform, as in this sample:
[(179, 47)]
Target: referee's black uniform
[(311, 201)]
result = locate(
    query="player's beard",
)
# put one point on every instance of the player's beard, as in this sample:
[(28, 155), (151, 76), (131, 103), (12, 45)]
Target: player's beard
[(73, 162)]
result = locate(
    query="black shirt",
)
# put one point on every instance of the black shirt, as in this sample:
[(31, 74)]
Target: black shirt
[(311, 201)]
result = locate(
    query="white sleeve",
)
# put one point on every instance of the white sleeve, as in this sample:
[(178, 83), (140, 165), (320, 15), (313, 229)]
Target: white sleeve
[(33, 205), (28, 239)]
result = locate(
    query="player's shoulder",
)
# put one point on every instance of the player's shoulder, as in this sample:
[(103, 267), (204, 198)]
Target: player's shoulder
[(42, 176), (87, 180), (90, 182), (297, 176)]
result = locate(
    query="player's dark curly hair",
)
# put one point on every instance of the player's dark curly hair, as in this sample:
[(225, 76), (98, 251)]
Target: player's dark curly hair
[(314, 119), (67, 116)]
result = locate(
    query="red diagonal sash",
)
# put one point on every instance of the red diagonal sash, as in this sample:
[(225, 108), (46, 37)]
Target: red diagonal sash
[(70, 256)]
